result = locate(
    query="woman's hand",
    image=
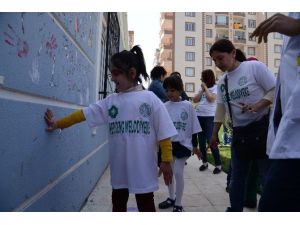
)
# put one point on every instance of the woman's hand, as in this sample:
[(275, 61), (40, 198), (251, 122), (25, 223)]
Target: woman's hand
[(213, 143), (50, 121), (203, 86)]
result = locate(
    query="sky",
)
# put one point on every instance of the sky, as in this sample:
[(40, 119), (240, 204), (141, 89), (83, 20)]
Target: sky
[(146, 33)]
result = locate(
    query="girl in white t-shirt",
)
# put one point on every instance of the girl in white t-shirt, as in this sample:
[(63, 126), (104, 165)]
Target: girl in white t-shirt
[(137, 121), (184, 143), (206, 108)]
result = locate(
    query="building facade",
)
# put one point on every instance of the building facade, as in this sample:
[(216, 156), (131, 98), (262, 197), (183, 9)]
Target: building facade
[(58, 61), (186, 38)]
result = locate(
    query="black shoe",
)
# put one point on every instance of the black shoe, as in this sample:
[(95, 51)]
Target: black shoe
[(250, 204), (217, 170), (177, 208), (203, 167), (166, 204)]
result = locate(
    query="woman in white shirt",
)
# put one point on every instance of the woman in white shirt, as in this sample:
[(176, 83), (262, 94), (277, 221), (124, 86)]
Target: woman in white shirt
[(206, 108)]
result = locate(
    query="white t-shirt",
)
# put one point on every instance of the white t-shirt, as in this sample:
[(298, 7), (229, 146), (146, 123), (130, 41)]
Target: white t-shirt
[(285, 142), (248, 84), (204, 107), (137, 120), (185, 121)]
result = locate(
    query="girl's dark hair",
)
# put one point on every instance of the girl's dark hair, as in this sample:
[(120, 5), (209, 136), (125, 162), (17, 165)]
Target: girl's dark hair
[(157, 71), (175, 73), (224, 45), (239, 55), (173, 82), (134, 58), (208, 77)]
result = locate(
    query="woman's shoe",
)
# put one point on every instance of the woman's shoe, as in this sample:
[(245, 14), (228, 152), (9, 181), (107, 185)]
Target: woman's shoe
[(203, 167), (177, 208)]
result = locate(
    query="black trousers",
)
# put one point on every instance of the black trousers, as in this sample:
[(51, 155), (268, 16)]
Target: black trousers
[(282, 187), (145, 201)]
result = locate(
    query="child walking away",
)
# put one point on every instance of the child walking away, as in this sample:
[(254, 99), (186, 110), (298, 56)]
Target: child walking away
[(184, 143), (137, 121)]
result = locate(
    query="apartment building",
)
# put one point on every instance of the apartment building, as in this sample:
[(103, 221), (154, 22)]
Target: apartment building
[(186, 38)]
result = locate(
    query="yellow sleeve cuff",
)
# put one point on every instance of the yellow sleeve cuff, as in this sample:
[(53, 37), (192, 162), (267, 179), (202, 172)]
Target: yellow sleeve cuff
[(166, 150), (71, 119)]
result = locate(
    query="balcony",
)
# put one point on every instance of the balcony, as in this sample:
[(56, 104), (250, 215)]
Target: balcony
[(166, 46), (223, 13), (165, 32), (221, 25), (239, 40), (218, 37), (239, 14), (239, 26), (166, 16)]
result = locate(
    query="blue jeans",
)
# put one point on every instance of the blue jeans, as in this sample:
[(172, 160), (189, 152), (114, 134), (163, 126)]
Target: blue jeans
[(239, 174), (207, 125), (282, 187)]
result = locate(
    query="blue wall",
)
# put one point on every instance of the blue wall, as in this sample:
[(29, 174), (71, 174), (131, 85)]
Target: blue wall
[(48, 60)]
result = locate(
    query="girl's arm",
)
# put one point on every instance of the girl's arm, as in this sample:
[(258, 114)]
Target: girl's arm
[(71, 119), (211, 97)]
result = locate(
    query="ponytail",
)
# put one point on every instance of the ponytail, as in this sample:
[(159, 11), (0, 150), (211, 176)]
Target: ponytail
[(141, 66), (239, 55), (134, 58)]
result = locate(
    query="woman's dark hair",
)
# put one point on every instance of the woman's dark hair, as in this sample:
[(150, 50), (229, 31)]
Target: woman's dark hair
[(239, 55), (173, 82), (224, 45), (208, 77), (134, 58), (157, 71)]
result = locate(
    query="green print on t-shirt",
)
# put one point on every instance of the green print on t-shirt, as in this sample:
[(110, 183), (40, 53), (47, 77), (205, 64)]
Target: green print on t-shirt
[(180, 125), (237, 94), (129, 127)]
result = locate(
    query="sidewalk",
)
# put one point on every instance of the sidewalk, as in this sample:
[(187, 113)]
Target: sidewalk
[(204, 192)]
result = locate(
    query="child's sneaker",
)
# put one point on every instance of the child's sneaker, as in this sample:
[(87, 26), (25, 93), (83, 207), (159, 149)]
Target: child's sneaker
[(166, 204), (177, 208)]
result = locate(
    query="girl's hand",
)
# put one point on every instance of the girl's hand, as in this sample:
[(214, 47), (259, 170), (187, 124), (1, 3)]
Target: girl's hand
[(203, 86), (197, 152), (50, 121), (166, 170)]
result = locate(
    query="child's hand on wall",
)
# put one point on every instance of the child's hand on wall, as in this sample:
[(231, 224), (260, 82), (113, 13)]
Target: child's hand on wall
[(50, 121)]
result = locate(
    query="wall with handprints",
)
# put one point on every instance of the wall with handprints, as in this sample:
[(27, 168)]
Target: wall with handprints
[(48, 60)]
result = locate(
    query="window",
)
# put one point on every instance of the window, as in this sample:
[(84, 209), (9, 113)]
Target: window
[(252, 23), (251, 51), (190, 71), (189, 56), (208, 33), (222, 20), (208, 61), (189, 87), (207, 47), (189, 26), (190, 14), (252, 13), (189, 41), (208, 19), (277, 48), (277, 36), (251, 39), (276, 62)]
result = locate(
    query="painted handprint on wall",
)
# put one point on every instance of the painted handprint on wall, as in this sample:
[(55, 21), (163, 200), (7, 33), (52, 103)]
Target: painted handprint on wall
[(13, 39)]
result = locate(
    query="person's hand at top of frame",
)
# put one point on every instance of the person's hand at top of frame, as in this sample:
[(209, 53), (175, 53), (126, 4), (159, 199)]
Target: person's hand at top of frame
[(277, 23), (166, 170), (50, 121)]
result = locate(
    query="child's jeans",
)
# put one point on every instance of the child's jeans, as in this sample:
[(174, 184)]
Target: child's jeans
[(145, 201)]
